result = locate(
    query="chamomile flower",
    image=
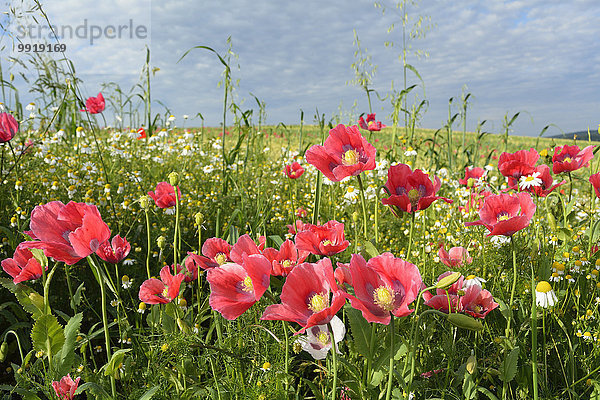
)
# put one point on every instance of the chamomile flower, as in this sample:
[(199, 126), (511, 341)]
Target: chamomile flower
[(530, 181), (141, 308), (473, 280), (266, 367), (317, 341), (544, 295)]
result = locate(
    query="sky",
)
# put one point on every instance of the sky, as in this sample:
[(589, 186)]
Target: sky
[(537, 57)]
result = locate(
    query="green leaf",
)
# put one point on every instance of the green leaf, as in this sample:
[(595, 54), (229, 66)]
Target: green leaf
[(361, 332), (26, 296), (148, 395), (93, 388), (115, 361), (508, 369), (64, 358), (370, 249), (47, 335)]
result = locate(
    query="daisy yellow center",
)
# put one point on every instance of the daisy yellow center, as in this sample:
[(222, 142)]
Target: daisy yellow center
[(220, 258), (247, 284), (529, 178), (543, 287), (323, 338), (318, 303), (384, 298), (350, 157), (470, 277)]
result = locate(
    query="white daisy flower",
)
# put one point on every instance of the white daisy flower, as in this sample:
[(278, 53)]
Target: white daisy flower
[(473, 280), (317, 341), (544, 295)]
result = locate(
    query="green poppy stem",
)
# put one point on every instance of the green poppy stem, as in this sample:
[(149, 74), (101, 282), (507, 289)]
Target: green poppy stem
[(514, 286), (364, 208), (334, 359), (388, 391)]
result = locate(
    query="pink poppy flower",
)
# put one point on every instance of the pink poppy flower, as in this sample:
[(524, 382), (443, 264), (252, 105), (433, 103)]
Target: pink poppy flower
[(234, 288), (114, 251), (519, 163), (505, 214), (477, 302), (66, 233), (298, 226), (570, 158), (541, 172), (163, 291), (595, 181), (456, 257), (244, 246), (440, 301), (294, 170), (94, 105), (164, 195), (472, 173), (309, 296), (8, 127), (198, 261), (23, 266), (384, 285), (345, 153), (217, 250), (285, 259), (66, 387), (370, 124), (343, 275), (410, 191), (322, 240)]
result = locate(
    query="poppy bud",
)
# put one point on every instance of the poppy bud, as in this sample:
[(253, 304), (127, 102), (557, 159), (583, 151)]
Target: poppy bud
[(464, 321), (174, 178), (183, 326), (551, 221), (144, 202), (199, 217), (161, 241), (470, 182), (3, 351), (355, 216), (471, 364), (448, 281)]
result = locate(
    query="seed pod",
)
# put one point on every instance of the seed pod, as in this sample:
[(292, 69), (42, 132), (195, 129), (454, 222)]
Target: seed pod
[(464, 321), (3, 351)]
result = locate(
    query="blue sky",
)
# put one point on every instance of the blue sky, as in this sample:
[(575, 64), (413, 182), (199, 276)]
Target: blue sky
[(538, 57)]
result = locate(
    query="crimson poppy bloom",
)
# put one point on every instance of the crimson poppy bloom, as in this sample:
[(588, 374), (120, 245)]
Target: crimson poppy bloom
[(543, 189), (343, 275), (477, 302), (164, 195), (571, 158), (370, 124), (163, 291), (384, 285), (345, 153), (199, 261), (472, 173), (66, 233), (595, 181), (217, 250), (410, 191), (519, 163), (298, 226), (309, 296), (505, 214), (294, 170), (244, 246), (456, 257), (23, 266), (114, 251), (284, 259), (141, 134), (234, 288), (94, 105), (8, 127), (66, 387), (322, 240)]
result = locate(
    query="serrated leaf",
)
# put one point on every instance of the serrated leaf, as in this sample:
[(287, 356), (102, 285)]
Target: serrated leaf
[(361, 332), (47, 335), (22, 293), (508, 369), (64, 358)]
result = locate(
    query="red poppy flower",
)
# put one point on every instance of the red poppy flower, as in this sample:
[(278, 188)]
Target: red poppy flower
[(23, 266), (142, 133), (164, 196), (198, 261), (94, 105), (234, 288), (244, 246), (322, 240), (345, 153), (298, 226), (519, 163), (114, 251), (217, 250), (294, 170), (66, 233), (8, 127), (384, 285), (477, 302), (440, 301), (456, 257), (570, 158), (505, 214), (541, 172), (370, 124), (595, 181), (472, 173), (343, 275), (309, 296), (66, 387), (154, 291), (410, 191), (285, 259)]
